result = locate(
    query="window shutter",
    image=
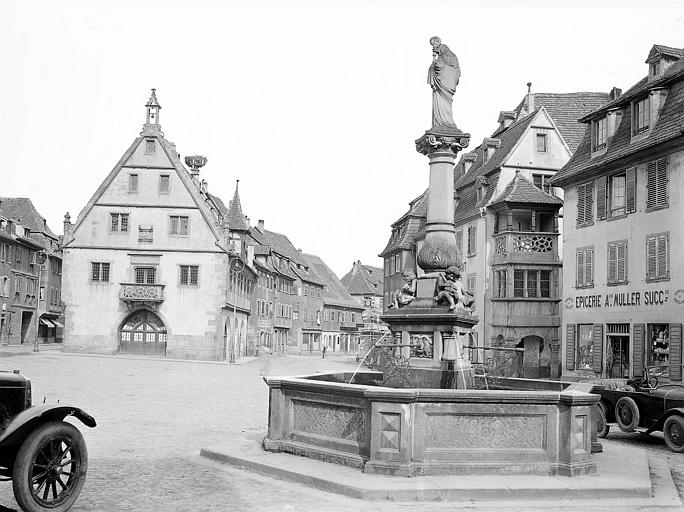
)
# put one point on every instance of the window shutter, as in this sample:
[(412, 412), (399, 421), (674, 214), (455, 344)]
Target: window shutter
[(630, 190), (651, 179), (638, 350), (612, 262), (589, 267), (597, 348), (651, 259), (621, 271), (601, 197), (570, 346), (459, 240), (589, 204), (474, 239), (661, 187), (581, 279), (676, 351), (581, 203), (662, 270)]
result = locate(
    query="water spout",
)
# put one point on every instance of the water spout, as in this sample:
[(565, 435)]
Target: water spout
[(366, 356)]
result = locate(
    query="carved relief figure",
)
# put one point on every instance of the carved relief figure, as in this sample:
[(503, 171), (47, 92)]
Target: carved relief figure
[(443, 77), (422, 345), (452, 290), (407, 292)]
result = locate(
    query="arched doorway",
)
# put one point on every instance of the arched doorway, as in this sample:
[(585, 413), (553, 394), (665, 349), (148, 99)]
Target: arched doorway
[(143, 333), (533, 345)]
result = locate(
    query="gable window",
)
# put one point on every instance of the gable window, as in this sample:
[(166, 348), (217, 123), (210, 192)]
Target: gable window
[(599, 131), (145, 234), (584, 276), (145, 275), (164, 183), (541, 181), (656, 185), (585, 204), (178, 225), (99, 272), (617, 262), (640, 116), (188, 274), (658, 257), (472, 240), (119, 222), (132, 182), (542, 143), (149, 146), (654, 68)]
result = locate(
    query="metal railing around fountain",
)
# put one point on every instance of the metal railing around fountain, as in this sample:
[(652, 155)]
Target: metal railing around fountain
[(389, 359), (493, 370)]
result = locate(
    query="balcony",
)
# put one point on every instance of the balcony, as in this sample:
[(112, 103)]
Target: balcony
[(282, 322), (136, 295), (525, 247), (238, 302), (348, 325)]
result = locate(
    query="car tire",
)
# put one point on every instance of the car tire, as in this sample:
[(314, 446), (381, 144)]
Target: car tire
[(627, 414), (602, 427), (673, 431), (54, 453)]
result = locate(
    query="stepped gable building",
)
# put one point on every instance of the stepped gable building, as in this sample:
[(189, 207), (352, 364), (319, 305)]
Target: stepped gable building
[(31, 308), (148, 260), (508, 233), (342, 315), (366, 285), (623, 293)]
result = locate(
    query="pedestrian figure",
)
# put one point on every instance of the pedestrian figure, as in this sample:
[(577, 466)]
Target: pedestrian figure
[(324, 349)]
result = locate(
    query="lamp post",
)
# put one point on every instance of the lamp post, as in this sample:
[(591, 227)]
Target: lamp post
[(236, 266), (38, 260)]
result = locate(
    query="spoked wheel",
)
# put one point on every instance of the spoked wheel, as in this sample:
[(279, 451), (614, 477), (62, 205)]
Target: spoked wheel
[(602, 427), (673, 431), (627, 414), (50, 468)]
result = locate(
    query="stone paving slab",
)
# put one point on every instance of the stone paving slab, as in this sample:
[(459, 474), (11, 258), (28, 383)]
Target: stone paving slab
[(623, 473)]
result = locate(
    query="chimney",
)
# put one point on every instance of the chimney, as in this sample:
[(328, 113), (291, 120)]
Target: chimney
[(615, 93), (261, 224), (530, 98)]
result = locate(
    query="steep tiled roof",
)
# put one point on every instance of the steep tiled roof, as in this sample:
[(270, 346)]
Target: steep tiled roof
[(235, 217), (219, 204), (334, 294), (666, 50), (363, 280), (521, 190), (310, 275), (279, 243), (22, 209), (468, 205), (669, 126), (408, 225)]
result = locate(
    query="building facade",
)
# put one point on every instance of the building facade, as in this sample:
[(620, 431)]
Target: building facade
[(31, 308), (149, 257), (508, 219), (365, 284), (623, 295)]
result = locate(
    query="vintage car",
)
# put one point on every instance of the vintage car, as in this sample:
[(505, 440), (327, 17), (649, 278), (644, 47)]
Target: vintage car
[(646, 407), (43, 455)]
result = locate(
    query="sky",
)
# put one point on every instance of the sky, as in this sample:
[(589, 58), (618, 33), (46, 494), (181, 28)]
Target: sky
[(313, 105)]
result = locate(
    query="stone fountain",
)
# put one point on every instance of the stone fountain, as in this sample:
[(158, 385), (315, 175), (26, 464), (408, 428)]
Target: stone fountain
[(435, 423)]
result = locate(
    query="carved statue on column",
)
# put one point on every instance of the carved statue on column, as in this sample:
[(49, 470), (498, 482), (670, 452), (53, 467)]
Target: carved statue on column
[(443, 77)]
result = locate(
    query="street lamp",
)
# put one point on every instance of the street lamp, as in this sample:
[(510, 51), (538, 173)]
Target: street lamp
[(236, 266), (38, 260)]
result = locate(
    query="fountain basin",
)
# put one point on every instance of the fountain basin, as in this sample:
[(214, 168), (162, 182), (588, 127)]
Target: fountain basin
[(412, 432)]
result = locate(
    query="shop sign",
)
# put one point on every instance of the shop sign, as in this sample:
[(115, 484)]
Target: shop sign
[(622, 299), (262, 323)]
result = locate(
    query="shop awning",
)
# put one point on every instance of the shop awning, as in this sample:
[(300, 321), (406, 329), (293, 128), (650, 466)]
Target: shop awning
[(47, 322), (57, 323)]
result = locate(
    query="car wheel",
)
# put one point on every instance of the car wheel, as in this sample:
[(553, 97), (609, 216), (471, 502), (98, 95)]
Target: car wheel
[(627, 414), (673, 431), (50, 468), (602, 427)]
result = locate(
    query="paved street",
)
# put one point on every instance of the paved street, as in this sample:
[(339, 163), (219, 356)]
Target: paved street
[(155, 415)]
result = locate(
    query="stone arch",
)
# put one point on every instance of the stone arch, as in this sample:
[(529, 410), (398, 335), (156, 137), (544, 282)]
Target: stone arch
[(143, 332)]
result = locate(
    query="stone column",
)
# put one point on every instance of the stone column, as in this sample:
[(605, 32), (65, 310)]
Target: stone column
[(440, 250)]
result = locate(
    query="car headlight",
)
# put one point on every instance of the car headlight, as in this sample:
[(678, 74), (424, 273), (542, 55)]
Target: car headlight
[(27, 395)]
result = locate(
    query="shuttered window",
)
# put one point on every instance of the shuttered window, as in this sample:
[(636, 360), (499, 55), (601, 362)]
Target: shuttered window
[(630, 190), (601, 197), (585, 267), (585, 203), (656, 185), (658, 256), (570, 346), (676, 351), (472, 240), (585, 347), (459, 241), (638, 350), (597, 348), (617, 262)]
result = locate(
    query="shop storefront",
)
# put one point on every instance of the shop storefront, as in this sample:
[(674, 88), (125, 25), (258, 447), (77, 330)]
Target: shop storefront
[(619, 335)]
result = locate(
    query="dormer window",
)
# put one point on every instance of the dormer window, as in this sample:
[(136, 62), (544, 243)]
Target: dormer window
[(481, 184), (640, 116), (599, 131), (654, 69)]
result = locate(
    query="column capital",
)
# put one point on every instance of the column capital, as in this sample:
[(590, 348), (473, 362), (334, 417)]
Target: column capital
[(442, 140)]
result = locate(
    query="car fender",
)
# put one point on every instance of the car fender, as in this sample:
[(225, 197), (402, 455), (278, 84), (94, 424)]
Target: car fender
[(660, 422), (29, 419)]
